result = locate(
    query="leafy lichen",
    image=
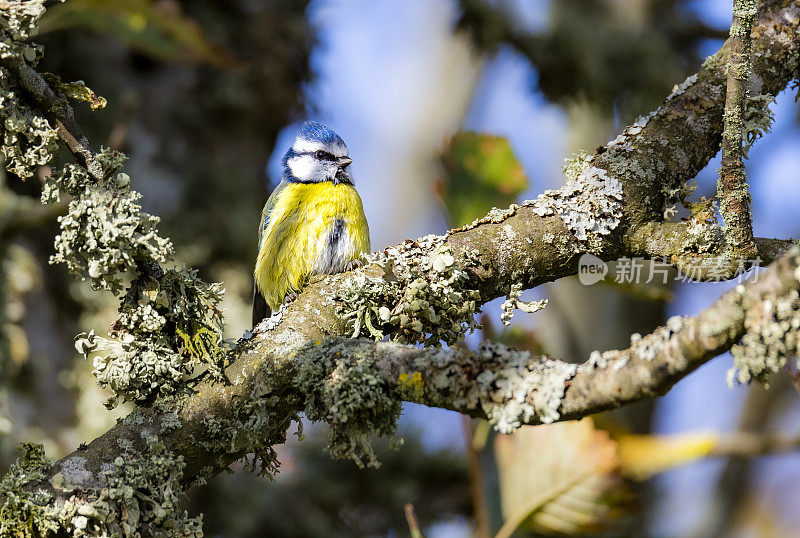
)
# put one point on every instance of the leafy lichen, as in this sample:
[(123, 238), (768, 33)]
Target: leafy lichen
[(757, 119), (136, 496), (344, 390), (510, 387), (104, 234), (514, 302), (772, 335), (423, 296), (25, 513), (590, 204), (167, 328)]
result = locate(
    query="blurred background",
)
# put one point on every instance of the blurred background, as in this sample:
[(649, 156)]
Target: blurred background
[(448, 107)]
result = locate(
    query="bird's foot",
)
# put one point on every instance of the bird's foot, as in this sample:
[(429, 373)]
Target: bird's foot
[(269, 323), (354, 264)]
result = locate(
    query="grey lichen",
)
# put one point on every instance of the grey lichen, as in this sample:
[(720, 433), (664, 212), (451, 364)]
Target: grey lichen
[(757, 119), (20, 19), (510, 387), (26, 513), (423, 297), (644, 348), (73, 471), (590, 204), (659, 341), (680, 89), (105, 233), (345, 390), (772, 336), (622, 141), (136, 496), (513, 302), (494, 216), (73, 180), (168, 328), (140, 497), (28, 140)]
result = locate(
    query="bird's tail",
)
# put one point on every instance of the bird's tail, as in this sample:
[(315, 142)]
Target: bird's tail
[(260, 308)]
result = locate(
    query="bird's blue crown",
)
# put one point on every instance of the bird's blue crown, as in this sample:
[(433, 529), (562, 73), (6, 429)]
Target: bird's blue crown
[(312, 130)]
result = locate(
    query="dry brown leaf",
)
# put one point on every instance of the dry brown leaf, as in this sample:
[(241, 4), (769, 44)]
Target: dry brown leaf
[(558, 478)]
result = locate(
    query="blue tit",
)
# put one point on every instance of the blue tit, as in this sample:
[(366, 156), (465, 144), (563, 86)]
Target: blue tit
[(313, 223)]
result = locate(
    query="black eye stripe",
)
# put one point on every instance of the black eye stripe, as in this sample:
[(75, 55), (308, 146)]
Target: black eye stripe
[(323, 155)]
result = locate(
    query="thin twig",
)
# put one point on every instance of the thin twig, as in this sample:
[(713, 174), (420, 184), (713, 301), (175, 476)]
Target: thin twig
[(57, 110), (476, 481), (732, 187), (750, 444), (413, 524)]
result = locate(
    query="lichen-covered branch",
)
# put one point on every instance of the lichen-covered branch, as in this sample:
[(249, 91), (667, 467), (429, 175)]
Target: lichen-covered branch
[(697, 250), (512, 387), (733, 191), (56, 109), (355, 385)]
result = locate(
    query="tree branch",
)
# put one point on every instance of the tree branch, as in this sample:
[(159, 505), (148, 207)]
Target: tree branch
[(696, 249), (278, 376), (749, 444), (56, 109), (733, 189)]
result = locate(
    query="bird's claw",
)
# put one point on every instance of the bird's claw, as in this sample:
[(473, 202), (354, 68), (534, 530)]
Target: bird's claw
[(354, 264)]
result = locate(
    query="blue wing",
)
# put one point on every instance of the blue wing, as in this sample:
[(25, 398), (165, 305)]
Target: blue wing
[(260, 308), (266, 213)]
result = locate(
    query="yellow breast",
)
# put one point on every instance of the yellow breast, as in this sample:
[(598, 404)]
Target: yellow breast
[(299, 232)]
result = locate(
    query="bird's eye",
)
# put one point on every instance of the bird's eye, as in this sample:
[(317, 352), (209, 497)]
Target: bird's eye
[(323, 155)]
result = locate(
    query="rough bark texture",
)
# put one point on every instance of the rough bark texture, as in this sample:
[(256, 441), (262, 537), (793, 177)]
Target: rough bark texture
[(733, 177)]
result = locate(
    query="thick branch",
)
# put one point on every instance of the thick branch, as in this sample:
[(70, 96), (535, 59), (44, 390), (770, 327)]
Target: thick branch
[(271, 383)]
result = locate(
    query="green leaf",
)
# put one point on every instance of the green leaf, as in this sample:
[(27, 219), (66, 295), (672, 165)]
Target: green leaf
[(155, 29), (480, 172)]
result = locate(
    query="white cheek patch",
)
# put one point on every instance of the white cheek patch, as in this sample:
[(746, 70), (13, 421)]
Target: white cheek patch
[(305, 168), (303, 145)]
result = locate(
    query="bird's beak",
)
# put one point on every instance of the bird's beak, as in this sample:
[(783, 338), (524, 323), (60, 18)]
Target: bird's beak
[(344, 161)]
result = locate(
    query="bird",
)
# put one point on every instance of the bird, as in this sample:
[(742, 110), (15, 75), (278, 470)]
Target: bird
[(312, 223)]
